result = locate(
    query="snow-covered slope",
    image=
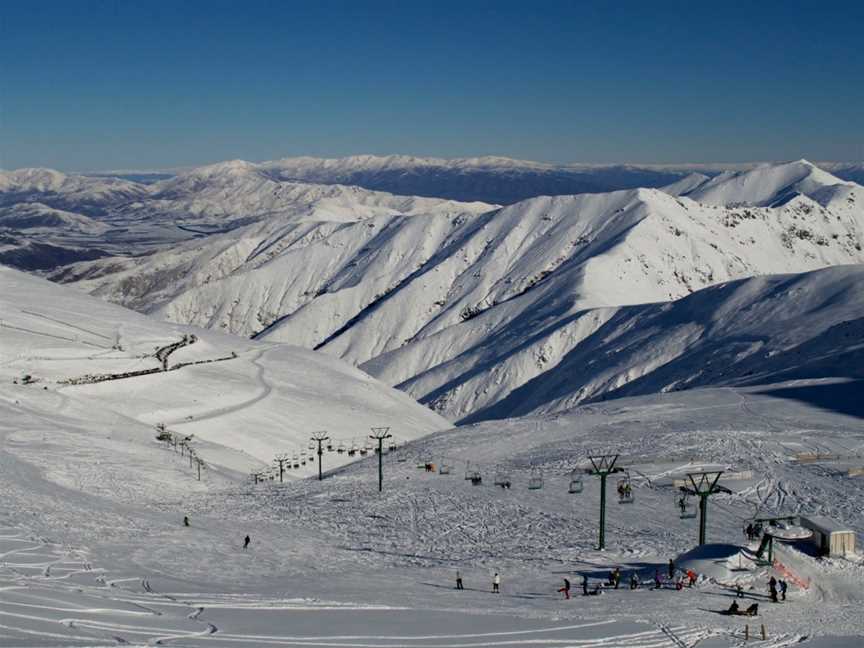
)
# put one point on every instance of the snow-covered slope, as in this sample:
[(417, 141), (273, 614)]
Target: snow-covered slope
[(765, 185), (95, 551), (246, 401), (757, 330), (435, 303)]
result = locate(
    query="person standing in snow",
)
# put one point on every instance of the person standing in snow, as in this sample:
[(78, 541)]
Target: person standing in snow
[(459, 581), (634, 581), (496, 584), (691, 578), (783, 587), (566, 589), (671, 569), (186, 520), (739, 591), (584, 585), (246, 542), (658, 584), (772, 587)]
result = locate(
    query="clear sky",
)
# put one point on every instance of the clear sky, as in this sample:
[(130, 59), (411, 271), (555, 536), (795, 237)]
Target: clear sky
[(147, 84)]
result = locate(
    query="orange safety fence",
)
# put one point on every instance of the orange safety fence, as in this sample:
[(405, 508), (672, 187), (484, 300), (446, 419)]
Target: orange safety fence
[(790, 575)]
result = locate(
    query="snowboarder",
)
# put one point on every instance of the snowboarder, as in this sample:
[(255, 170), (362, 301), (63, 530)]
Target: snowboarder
[(246, 542), (584, 585), (671, 569), (186, 520), (783, 587), (566, 589), (496, 583), (772, 587), (459, 581), (733, 609)]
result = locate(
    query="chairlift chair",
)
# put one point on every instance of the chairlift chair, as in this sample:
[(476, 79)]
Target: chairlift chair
[(444, 469), (341, 449), (502, 479), (311, 445), (535, 482), (354, 449), (469, 473), (393, 445), (476, 478), (625, 491), (330, 447), (684, 503), (576, 485)]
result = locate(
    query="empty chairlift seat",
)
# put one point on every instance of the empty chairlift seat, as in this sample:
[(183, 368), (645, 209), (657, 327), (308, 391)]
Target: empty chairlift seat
[(576, 485), (535, 482)]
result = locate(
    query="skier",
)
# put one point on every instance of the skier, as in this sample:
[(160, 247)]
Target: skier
[(658, 584), (783, 587), (584, 585), (739, 591), (615, 577), (186, 520), (772, 586), (459, 581), (496, 583), (566, 589), (634, 581), (671, 569), (246, 542)]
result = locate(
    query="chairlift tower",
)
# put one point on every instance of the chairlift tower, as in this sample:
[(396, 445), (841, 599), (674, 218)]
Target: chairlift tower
[(603, 466), (319, 438), (379, 434), (282, 459), (704, 485)]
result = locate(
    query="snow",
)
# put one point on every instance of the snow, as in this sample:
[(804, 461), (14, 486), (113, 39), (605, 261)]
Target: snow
[(246, 409), (464, 310), (93, 551)]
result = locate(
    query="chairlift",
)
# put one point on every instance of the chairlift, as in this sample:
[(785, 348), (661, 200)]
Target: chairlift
[(341, 449), (476, 478), (354, 449), (625, 491), (311, 445), (469, 473), (502, 479), (444, 469), (535, 482), (330, 447), (364, 450), (393, 445), (684, 503), (576, 485)]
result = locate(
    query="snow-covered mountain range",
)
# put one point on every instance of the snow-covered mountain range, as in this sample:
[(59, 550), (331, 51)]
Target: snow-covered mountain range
[(463, 308), (491, 179)]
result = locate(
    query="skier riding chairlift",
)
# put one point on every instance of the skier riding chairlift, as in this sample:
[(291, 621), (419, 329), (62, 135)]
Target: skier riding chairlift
[(625, 491)]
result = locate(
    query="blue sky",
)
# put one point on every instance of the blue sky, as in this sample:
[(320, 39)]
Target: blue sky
[(107, 85)]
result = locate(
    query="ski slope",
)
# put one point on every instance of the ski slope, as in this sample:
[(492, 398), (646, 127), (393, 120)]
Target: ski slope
[(243, 401), (94, 551)]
